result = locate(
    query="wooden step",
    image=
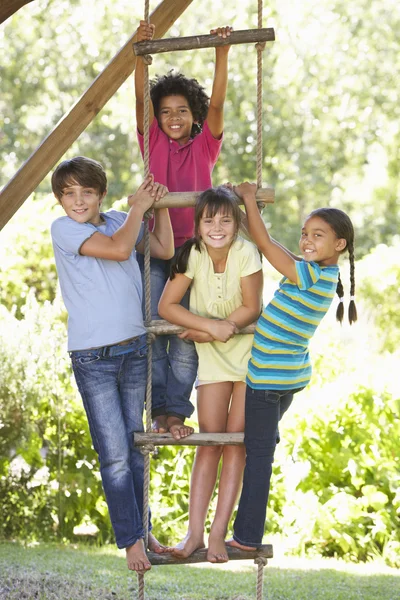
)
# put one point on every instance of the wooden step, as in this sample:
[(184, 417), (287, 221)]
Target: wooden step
[(196, 439), (161, 327), (265, 551), (185, 199), (193, 42)]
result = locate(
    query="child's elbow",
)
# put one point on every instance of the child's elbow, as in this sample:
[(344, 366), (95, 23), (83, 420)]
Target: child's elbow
[(161, 310)]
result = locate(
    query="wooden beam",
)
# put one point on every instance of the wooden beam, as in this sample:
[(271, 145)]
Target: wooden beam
[(183, 199), (196, 439), (33, 171), (193, 42), (264, 551), (161, 327), (9, 7)]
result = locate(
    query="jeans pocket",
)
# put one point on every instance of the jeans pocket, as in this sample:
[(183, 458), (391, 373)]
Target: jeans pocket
[(85, 360), (271, 397)]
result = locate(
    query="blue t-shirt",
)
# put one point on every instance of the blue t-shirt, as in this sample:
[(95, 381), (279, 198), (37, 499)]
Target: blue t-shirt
[(279, 356), (103, 297)]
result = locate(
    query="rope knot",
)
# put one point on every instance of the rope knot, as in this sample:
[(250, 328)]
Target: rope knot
[(261, 561), (147, 449), (260, 46), (150, 336), (149, 214), (147, 59)]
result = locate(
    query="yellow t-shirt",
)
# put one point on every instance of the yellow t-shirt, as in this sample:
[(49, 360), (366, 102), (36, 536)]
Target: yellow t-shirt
[(217, 295)]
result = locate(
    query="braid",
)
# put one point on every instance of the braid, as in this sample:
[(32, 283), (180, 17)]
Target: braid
[(352, 305), (340, 293)]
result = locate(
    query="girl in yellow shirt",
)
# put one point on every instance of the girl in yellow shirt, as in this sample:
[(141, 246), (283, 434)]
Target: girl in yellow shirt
[(224, 272)]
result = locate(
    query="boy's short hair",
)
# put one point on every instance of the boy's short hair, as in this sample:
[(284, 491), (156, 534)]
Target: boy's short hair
[(79, 170), (176, 84)]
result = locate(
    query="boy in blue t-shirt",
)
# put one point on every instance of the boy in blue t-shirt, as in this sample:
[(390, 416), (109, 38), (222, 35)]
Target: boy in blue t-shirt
[(101, 286)]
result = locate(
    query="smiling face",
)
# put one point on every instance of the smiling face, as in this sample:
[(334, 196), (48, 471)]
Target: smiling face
[(319, 243), (217, 232), (82, 204), (175, 118)]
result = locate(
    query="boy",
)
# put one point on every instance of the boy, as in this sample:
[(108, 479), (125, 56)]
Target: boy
[(185, 140), (101, 286)]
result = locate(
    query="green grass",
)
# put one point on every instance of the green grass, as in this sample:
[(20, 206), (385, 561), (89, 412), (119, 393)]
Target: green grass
[(51, 572)]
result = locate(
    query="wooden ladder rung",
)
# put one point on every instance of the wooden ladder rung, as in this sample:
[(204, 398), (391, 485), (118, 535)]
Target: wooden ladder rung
[(265, 551), (161, 327), (185, 199), (193, 42), (196, 439)]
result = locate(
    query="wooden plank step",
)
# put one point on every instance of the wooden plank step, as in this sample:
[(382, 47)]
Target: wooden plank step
[(265, 551), (212, 40), (196, 439), (185, 199), (161, 327)]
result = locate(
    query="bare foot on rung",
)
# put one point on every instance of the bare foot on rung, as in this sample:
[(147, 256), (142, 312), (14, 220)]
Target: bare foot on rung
[(234, 544), (217, 552), (159, 424), (177, 428), (136, 558), (154, 545), (189, 545)]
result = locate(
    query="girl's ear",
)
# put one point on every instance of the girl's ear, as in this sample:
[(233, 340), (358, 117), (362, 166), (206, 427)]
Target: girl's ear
[(340, 244)]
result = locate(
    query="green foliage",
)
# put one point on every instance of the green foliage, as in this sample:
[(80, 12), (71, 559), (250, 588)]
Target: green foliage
[(380, 291), (344, 500)]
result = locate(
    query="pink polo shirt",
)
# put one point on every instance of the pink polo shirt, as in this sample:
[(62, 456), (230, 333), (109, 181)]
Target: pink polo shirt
[(185, 168)]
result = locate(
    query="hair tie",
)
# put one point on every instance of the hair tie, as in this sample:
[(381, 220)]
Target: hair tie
[(352, 298), (341, 299)]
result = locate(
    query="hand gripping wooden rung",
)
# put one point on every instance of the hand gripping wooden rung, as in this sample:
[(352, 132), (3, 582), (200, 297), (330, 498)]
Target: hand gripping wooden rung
[(193, 42), (185, 199), (265, 551)]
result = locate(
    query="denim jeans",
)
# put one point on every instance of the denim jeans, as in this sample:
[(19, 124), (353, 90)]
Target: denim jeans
[(264, 409), (174, 365), (112, 383)]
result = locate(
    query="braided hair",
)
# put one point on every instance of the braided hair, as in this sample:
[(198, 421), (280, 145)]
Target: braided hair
[(343, 228)]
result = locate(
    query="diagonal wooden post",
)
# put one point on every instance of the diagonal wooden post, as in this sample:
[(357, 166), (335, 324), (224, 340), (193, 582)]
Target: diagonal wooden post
[(53, 147)]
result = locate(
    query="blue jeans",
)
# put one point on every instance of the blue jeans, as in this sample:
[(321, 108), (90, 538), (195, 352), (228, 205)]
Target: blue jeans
[(264, 409), (112, 383), (174, 365)]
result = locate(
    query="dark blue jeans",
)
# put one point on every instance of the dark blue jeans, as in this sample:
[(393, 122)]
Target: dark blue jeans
[(112, 383), (264, 409), (174, 365)]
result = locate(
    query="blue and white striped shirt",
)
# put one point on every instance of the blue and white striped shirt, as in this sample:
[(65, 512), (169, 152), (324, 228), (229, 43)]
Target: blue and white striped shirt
[(279, 356)]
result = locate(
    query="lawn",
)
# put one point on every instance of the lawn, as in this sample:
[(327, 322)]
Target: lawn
[(50, 572)]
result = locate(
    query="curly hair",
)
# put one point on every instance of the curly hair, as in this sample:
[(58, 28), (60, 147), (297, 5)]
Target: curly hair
[(176, 84)]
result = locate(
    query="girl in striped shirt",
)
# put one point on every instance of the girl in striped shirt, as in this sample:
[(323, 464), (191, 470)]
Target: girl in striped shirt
[(279, 365)]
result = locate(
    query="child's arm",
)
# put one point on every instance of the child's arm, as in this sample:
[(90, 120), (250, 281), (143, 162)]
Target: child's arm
[(145, 32), (276, 254), (215, 115), (250, 309), (161, 238), (120, 245), (169, 308)]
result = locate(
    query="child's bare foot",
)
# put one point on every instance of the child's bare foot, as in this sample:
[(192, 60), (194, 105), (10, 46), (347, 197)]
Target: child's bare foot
[(217, 552), (136, 558), (154, 545), (234, 544), (189, 545), (159, 424), (178, 429)]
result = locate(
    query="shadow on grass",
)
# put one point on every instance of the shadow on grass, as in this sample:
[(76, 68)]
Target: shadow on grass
[(47, 572)]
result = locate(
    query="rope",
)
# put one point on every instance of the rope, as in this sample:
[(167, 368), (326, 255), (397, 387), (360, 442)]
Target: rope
[(260, 47), (147, 295), (260, 562)]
